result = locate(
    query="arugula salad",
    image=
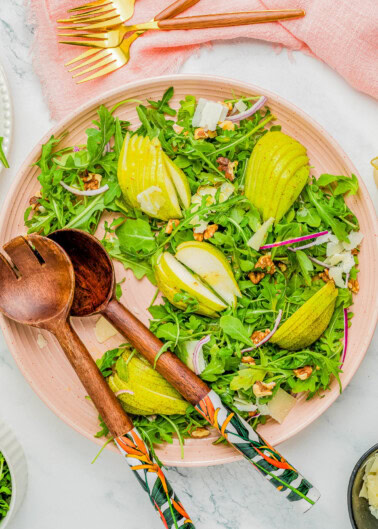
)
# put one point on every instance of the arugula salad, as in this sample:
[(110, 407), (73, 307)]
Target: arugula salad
[(256, 260), (3, 159), (5, 488)]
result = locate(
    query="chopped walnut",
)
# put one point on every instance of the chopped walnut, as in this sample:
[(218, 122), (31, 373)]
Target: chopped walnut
[(201, 133), (200, 433), (325, 275), (227, 125), (210, 230), (355, 251), (197, 236), (303, 373), (228, 105), (91, 180), (353, 285), (260, 389), (34, 202), (282, 267), (252, 413), (177, 128), (211, 133), (171, 223), (227, 167), (256, 277), (265, 261), (186, 133), (248, 360), (257, 336)]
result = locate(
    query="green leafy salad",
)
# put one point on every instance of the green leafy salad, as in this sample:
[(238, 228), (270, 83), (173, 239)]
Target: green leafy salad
[(5, 487), (256, 260), (3, 159)]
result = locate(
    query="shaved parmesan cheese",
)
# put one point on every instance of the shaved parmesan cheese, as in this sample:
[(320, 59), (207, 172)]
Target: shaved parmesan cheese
[(337, 275), (151, 200), (334, 246), (240, 106), (244, 405), (200, 225), (104, 330), (258, 238), (208, 114), (41, 341), (355, 238), (281, 405), (226, 191), (263, 409)]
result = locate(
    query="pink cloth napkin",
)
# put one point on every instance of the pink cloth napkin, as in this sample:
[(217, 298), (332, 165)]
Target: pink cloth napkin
[(339, 32)]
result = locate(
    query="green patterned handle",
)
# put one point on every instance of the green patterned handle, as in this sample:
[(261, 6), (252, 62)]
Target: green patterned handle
[(257, 451), (153, 481)]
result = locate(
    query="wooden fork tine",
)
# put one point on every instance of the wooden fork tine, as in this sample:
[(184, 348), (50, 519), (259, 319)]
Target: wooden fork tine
[(104, 71), (108, 58), (89, 5), (82, 56), (97, 57)]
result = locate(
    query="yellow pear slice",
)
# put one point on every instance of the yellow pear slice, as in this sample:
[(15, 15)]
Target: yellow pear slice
[(172, 273), (212, 266), (179, 180)]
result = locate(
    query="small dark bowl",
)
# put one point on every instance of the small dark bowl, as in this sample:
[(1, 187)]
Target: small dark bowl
[(359, 513)]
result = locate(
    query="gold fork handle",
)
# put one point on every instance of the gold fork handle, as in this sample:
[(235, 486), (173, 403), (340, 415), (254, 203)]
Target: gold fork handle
[(175, 9), (229, 19)]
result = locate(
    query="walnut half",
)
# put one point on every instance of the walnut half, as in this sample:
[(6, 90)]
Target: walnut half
[(303, 373)]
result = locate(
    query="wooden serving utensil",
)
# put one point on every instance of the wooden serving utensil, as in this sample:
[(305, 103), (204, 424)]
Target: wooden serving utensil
[(95, 294), (37, 289)]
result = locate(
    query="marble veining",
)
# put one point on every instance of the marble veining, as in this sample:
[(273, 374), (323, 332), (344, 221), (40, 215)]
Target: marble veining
[(65, 490)]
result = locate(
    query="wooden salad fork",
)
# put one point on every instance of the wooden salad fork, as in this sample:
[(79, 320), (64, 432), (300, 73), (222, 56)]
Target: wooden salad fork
[(101, 14), (121, 55), (95, 294), (112, 59), (37, 288)]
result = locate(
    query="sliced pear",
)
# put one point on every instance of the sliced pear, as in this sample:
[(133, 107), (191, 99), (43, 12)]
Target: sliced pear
[(179, 180), (172, 277), (212, 267)]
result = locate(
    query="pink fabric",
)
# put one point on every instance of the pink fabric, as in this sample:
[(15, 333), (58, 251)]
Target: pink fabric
[(339, 32)]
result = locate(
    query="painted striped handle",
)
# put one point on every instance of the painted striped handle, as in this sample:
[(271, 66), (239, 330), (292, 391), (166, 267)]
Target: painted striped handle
[(153, 481), (264, 457)]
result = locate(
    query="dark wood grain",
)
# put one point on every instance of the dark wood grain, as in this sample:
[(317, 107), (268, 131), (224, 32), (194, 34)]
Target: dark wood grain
[(229, 19), (37, 288), (176, 8), (95, 293), (191, 387)]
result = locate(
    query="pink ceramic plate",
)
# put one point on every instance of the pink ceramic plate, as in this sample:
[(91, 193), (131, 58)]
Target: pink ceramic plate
[(47, 370)]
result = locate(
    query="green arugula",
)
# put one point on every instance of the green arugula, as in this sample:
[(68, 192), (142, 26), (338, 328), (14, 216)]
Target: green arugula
[(5, 487), (3, 158)]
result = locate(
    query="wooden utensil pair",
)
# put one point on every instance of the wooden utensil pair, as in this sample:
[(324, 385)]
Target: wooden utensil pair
[(37, 288), (43, 297)]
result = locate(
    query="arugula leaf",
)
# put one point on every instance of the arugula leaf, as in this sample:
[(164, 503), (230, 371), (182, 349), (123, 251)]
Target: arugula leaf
[(136, 235), (5, 487), (327, 214), (3, 158), (233, 327), (344, 184), (106, 362), (305, 264), (163, 105)]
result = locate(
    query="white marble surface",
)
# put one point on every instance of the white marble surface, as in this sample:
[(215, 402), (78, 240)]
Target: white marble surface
[(65, 490)]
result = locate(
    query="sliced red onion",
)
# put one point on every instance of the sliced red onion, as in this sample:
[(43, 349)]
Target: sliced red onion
[(81, 193), (123, 391), (268, 336), (293, 241), (250, 111), (196, 353), (345, 338), (253, 417)]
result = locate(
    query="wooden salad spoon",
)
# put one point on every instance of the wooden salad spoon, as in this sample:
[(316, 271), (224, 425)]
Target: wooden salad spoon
[(37, 288), (95, 294)]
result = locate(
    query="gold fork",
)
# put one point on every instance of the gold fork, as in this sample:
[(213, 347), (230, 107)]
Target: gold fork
[(121, 54), (111, 59), (101, 14)]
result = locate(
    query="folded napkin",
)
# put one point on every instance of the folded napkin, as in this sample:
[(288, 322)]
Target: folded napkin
[(339, 32)]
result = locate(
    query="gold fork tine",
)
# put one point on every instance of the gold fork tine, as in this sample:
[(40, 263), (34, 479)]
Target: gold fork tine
[(89, 5), (105, 61), (83, 56), (97, 57), (87, 14), (85, 43), (96, 36), (88, 20), (106, 23), (109, 69)]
